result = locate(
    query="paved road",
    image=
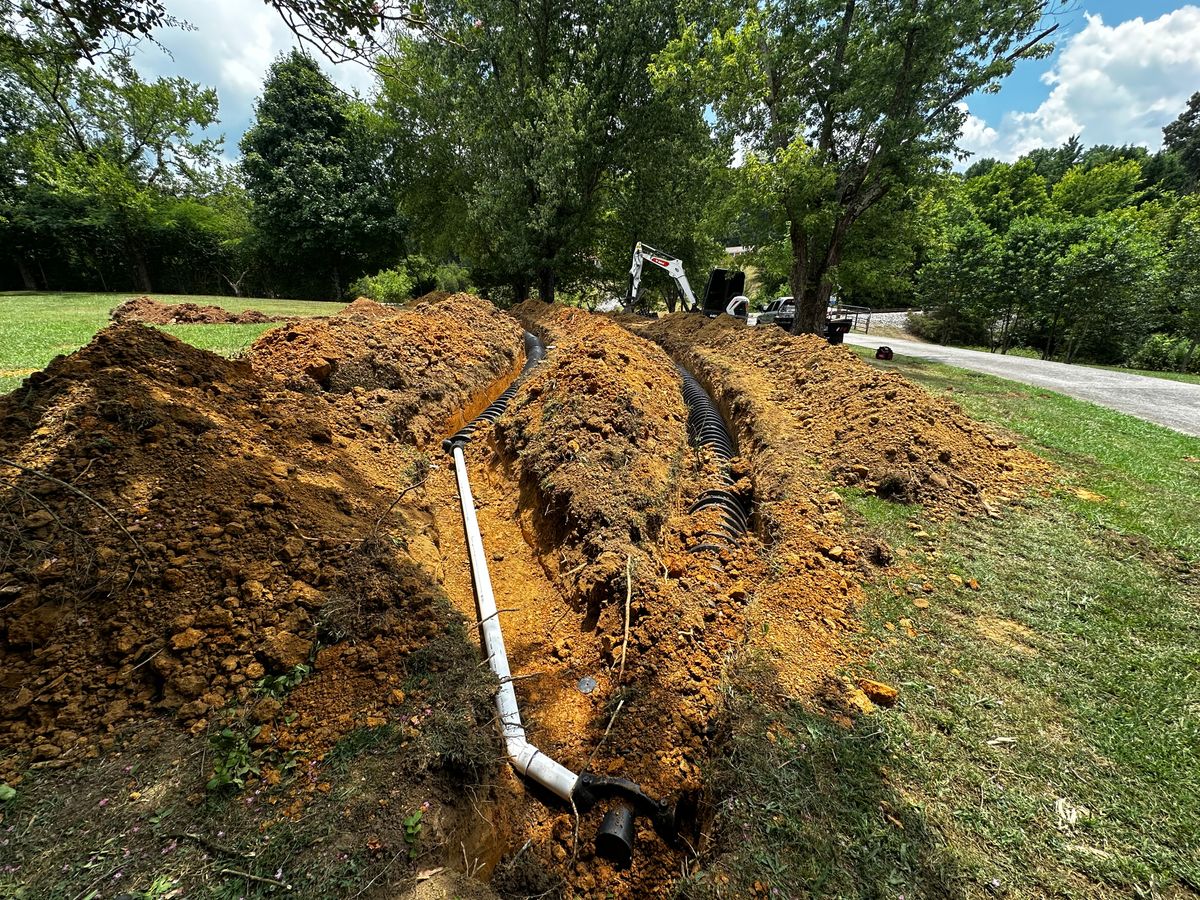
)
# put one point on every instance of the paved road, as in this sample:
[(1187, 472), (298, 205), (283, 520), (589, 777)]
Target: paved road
[(1170, 403)]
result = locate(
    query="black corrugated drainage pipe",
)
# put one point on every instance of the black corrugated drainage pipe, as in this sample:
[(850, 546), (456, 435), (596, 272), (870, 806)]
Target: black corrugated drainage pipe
[(582, 790), (706, 428)]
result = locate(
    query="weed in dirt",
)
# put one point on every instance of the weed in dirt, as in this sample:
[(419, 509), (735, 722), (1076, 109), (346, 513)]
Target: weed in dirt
[(277, 686), (233, 759), (412, 832)]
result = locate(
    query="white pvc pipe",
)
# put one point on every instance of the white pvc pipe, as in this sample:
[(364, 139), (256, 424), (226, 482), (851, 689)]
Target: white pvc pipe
[(525, 757)]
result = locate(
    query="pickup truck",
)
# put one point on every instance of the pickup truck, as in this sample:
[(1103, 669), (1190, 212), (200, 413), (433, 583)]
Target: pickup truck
[(782, 312)]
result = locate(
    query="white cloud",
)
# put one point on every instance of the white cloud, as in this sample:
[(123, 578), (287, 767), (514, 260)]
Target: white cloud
[(231, 47), (1109, 84), (977, 136)]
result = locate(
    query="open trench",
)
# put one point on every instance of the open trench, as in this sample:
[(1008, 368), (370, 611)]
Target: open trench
[(642, 708)]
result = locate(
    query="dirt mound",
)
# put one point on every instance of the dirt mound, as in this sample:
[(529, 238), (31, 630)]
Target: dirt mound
[(366, 308), (428, 363), (149, 311), (597, 434), (863, 427), (182, 535)]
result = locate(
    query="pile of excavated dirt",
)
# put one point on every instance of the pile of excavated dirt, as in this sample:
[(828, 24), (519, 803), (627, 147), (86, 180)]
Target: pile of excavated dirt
[(149, 311), (809, 416), (597, 434), (430, 366), (182, 535), (366, 308), (863, 427)]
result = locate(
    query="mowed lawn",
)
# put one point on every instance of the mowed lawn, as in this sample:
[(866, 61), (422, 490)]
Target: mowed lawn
[(1046, 741), (37, 326)]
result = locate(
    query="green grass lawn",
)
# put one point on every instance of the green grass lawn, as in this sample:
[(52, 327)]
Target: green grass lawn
[(1046, 742), (37, 326)]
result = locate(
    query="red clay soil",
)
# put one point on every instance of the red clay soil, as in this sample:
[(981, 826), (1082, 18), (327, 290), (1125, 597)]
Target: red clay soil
[(149, 311), (810, 416), (589, 471), (177, 526), (598, 435), (366, 308), (860, 426), (428, 365)]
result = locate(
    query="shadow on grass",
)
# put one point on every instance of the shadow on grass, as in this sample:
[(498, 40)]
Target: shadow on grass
[(808, 809)]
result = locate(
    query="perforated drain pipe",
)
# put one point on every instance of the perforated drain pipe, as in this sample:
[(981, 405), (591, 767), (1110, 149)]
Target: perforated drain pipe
[(706, 428), (582, 790)]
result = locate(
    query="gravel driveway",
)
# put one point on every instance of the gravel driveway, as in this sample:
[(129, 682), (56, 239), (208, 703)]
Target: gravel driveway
[(1171, 403)]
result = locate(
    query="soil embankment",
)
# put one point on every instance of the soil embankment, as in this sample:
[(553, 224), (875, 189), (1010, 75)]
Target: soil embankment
[(148, 311), (809, 417), (217, 546)]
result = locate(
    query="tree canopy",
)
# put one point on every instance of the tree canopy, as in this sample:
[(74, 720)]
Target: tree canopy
[(321, 206), (534, 136), (845, 101)]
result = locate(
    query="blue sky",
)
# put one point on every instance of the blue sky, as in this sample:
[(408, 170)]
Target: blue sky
[(1120, 71)]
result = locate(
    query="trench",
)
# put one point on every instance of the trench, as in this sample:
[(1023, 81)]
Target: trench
[(552, 652)]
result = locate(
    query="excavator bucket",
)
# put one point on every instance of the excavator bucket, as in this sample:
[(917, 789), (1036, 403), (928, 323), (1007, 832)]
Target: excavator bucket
[(722, 287)]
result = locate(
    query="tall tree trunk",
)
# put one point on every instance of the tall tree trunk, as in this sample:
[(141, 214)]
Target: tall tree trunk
[(141, 271), (546, 284), (45, 280), (27, 278), (337, 283), (520, 289), (799, 277), (1048, 353)]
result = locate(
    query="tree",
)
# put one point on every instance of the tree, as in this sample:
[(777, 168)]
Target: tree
[(93, 154), (1090, 192), (1052, 163), (847, 100), (1006, 193), (321, 205), (1112, 262), (1182, 137), (526, 128), (1182, 276), (89, 29)]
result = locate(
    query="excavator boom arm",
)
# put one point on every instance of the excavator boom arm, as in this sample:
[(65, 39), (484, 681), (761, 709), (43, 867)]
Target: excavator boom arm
[(643, 254)]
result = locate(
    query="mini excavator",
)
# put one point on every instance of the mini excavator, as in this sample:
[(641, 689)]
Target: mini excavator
[(722, 294)]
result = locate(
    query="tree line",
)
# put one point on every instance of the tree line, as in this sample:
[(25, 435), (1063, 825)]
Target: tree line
[(524, 147)]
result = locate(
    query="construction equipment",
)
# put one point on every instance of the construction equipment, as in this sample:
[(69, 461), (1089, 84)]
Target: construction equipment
[(722, 294)]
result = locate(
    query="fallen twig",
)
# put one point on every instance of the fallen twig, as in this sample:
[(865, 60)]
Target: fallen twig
[(261, 879), (604, 737), (86, 496), (209, 845), (399, 497)]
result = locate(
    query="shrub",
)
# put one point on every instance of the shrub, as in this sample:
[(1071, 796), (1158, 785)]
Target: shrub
[(452, 278), (387, 286), (1165, 353)]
